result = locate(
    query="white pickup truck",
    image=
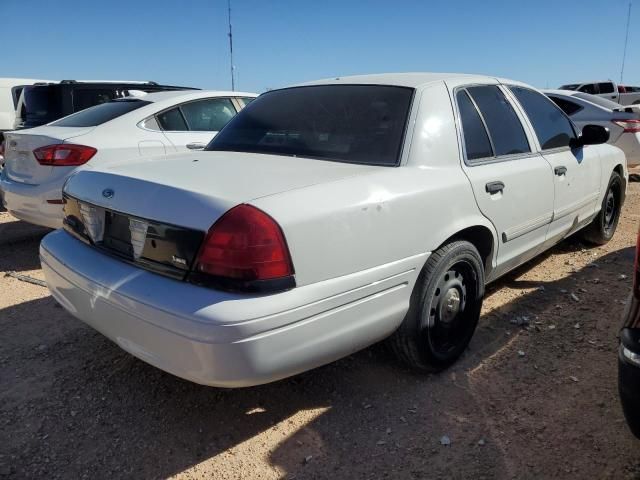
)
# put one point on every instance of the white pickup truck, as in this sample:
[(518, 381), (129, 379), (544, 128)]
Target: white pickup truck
[(622, 94)]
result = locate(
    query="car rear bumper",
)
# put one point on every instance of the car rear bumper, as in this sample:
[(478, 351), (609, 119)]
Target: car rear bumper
[(29, 202), (219, 338)]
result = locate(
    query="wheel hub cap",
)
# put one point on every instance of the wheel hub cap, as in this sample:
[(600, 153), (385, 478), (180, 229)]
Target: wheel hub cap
[(450, 306)]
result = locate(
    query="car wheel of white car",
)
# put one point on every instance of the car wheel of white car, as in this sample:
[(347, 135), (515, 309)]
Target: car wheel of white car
[(605, 223), (444, 309)]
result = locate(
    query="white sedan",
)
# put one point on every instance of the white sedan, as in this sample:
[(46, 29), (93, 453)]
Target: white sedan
[(326, 217), (622, 122), (39, 160)]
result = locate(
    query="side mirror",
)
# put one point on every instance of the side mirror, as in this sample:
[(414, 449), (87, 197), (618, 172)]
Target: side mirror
[(592, 135)]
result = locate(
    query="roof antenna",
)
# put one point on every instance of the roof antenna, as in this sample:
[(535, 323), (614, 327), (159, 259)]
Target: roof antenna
[(626, 40), (233, 83)]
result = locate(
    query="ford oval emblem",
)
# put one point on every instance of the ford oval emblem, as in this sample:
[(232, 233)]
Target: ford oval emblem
[(108, 193)]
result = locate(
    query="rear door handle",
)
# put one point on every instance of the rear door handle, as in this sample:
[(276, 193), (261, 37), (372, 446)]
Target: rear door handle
[(494, 187), (559, 171)]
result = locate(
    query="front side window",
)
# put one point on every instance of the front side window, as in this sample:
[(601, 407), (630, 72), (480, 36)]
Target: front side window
[(476, 140), (567, 106), (208, 115), (552, 127), (505, 130), (172, 120), (100, 114), (345, 123)]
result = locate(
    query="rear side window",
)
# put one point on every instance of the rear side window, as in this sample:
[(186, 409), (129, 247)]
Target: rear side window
[(567, 106), (208, 115), (505, 130), (172, 120), (552, 128), (591, 88), (247, 100), (606, 87), (344, 123), (476, 140), (100, 114), (42, 104), (88, 97)]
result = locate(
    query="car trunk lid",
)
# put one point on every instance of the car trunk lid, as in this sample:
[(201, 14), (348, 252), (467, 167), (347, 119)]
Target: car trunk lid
[(21, 164), (193, 190)]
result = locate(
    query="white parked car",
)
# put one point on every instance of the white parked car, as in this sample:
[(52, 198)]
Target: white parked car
[(607, 89), (39, 160), (327, 217), (622, 122)]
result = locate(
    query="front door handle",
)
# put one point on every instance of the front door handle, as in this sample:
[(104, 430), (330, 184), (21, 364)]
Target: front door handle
[(494, 187), (196, 146), (559, 171)]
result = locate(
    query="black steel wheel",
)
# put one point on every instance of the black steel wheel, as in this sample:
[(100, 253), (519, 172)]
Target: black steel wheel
[(604, 225), (444, 310)]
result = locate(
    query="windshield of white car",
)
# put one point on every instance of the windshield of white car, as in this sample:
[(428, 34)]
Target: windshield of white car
[(99, 114), (345, 123), (573, 86), (602, 102)]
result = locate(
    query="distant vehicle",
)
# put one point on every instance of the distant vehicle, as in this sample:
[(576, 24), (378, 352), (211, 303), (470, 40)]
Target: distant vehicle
[(629, 353), (10, 90), (607, 89), (326, 217), (622, 122), (40, 159), (44, 103)]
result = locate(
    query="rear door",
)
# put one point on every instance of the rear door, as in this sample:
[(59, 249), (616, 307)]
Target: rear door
[(513, 184), (576, 171), (192, 125)]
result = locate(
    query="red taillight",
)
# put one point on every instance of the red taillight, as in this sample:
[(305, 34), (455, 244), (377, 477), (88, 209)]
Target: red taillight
[(632, 126), (245, 245), (636, 271), (64, 155)]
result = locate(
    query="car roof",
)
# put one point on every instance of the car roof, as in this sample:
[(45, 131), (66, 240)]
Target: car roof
[(13, 82), (589, 82), (410, 79), (185, 95)]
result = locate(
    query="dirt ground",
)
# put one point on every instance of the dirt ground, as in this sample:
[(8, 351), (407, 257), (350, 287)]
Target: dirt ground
[(524, 402)]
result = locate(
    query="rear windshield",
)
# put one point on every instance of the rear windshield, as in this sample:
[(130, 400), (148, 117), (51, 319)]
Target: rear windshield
[(100, 114), (345, 123), (602, 102), (42, 104), (573, 86)]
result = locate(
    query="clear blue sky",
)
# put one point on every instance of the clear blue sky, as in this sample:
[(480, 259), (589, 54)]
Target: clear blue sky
[(279, 42)]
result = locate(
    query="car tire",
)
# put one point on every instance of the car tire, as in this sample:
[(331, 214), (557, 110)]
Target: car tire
[(604, 225), (444, 309)]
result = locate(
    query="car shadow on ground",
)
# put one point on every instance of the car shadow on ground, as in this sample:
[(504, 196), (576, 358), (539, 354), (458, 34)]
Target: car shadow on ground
[(76, 405), (19, 246)]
